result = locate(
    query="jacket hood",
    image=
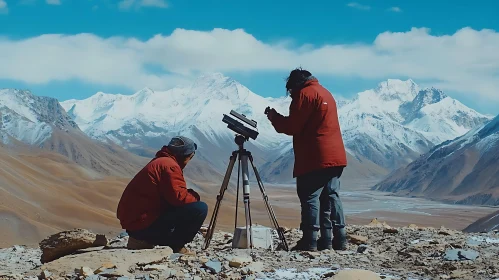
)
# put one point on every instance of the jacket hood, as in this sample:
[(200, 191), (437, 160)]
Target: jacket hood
[(164, 152), (305, 83)]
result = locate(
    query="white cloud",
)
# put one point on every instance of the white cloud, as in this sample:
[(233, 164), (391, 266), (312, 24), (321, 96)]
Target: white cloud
[(3, 7), (53, 2), (358, 6), (128, 4), (395, 9), (466, 61), (154, 3)]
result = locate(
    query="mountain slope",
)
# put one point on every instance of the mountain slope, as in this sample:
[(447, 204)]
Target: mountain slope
[(280, 171), (56, 178), (485, 224), (463, 170), (33, 122)]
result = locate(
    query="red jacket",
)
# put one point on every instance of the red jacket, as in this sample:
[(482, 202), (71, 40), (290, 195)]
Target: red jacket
[(313, 123), (159, 185)]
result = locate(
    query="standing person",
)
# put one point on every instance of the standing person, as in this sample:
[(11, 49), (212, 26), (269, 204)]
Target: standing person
[(156, 207), (320, 158)]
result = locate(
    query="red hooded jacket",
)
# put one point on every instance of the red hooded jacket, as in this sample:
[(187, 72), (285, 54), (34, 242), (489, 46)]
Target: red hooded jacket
[(313, 123), (159, 185)]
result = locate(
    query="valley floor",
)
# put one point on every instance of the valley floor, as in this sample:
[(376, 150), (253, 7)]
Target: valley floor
[(361, 206)]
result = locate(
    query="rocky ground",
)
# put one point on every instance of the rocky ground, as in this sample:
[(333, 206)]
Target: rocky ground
[(376, 251)]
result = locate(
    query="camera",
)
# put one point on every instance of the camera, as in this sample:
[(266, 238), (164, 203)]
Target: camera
[(239, 127), (267, 110)]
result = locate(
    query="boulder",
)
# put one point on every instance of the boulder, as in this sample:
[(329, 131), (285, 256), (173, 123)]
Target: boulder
[(67, 242), (357, 239), (115, 262)]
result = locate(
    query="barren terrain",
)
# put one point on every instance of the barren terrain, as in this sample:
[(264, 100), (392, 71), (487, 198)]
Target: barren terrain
[(44, 192)]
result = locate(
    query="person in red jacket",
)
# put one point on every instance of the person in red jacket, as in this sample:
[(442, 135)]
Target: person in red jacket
[(156, 208), (320, 158)]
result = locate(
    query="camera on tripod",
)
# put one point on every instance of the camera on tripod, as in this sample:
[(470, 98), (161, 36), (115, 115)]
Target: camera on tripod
[(245, 158), (267, 110), (239, 127)]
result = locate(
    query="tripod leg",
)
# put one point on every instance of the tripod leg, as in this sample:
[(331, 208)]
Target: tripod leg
[(270, 211), (211, 227), (246, 196), (237, 195)]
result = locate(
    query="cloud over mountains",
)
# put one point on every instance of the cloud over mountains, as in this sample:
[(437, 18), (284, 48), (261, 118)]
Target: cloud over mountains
[(466, 61)]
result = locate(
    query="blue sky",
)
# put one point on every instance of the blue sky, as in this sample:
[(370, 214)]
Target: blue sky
[(349, 45)]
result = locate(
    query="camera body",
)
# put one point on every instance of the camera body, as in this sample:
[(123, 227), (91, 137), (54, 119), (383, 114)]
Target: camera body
[(239, 127)]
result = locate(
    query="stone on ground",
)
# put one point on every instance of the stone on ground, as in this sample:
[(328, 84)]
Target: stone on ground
[(67, 242), (356, 274), (262, 238), (114, 262)]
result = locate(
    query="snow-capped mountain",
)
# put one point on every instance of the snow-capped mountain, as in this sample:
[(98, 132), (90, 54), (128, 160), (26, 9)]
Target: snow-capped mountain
[(394, 124), (388, 126), (464, 170), (40, 123), (30, 119), (148, 115), (150, 118), (397, 121)]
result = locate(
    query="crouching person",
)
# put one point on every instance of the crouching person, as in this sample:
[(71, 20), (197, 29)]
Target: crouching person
[(156, 207)]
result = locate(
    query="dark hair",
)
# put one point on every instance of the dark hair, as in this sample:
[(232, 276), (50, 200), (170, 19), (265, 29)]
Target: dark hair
[(296, 79)]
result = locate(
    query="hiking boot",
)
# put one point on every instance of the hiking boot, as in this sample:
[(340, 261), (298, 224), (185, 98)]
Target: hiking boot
[(308, 242), (325, 242), (339, 239), (183, 251), (135, 244)]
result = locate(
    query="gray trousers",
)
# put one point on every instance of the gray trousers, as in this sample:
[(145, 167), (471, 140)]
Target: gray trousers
[(321, 207)]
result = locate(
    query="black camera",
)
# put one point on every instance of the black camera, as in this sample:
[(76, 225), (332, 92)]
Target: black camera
[(267, 110), (239, 127)]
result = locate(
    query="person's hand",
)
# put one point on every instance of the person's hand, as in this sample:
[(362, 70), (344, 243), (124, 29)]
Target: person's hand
[(272, 112), (195, 194)]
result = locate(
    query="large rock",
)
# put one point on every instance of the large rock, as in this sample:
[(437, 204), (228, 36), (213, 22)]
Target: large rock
[(106, 262), (356, 274), (67, 242)]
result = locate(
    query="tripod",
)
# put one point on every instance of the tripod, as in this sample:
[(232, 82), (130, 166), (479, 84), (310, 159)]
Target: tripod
[(243, 155)]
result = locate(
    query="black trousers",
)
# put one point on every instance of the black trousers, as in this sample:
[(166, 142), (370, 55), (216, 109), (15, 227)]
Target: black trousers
[(175, 227), (321, 206)]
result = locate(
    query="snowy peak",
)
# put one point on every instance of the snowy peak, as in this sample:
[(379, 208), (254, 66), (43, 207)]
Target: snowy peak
[(400, 119), (30, 119), (411, 110), (36, 108), (397, 89), (142, 95), (220, 87), (429, 96)]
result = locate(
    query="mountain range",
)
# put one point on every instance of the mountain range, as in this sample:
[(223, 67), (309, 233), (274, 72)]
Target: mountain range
[(40, 123), (384, 128), (463, 170)]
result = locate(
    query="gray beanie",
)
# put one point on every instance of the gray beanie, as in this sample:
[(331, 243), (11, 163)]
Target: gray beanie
[(180, 145)]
